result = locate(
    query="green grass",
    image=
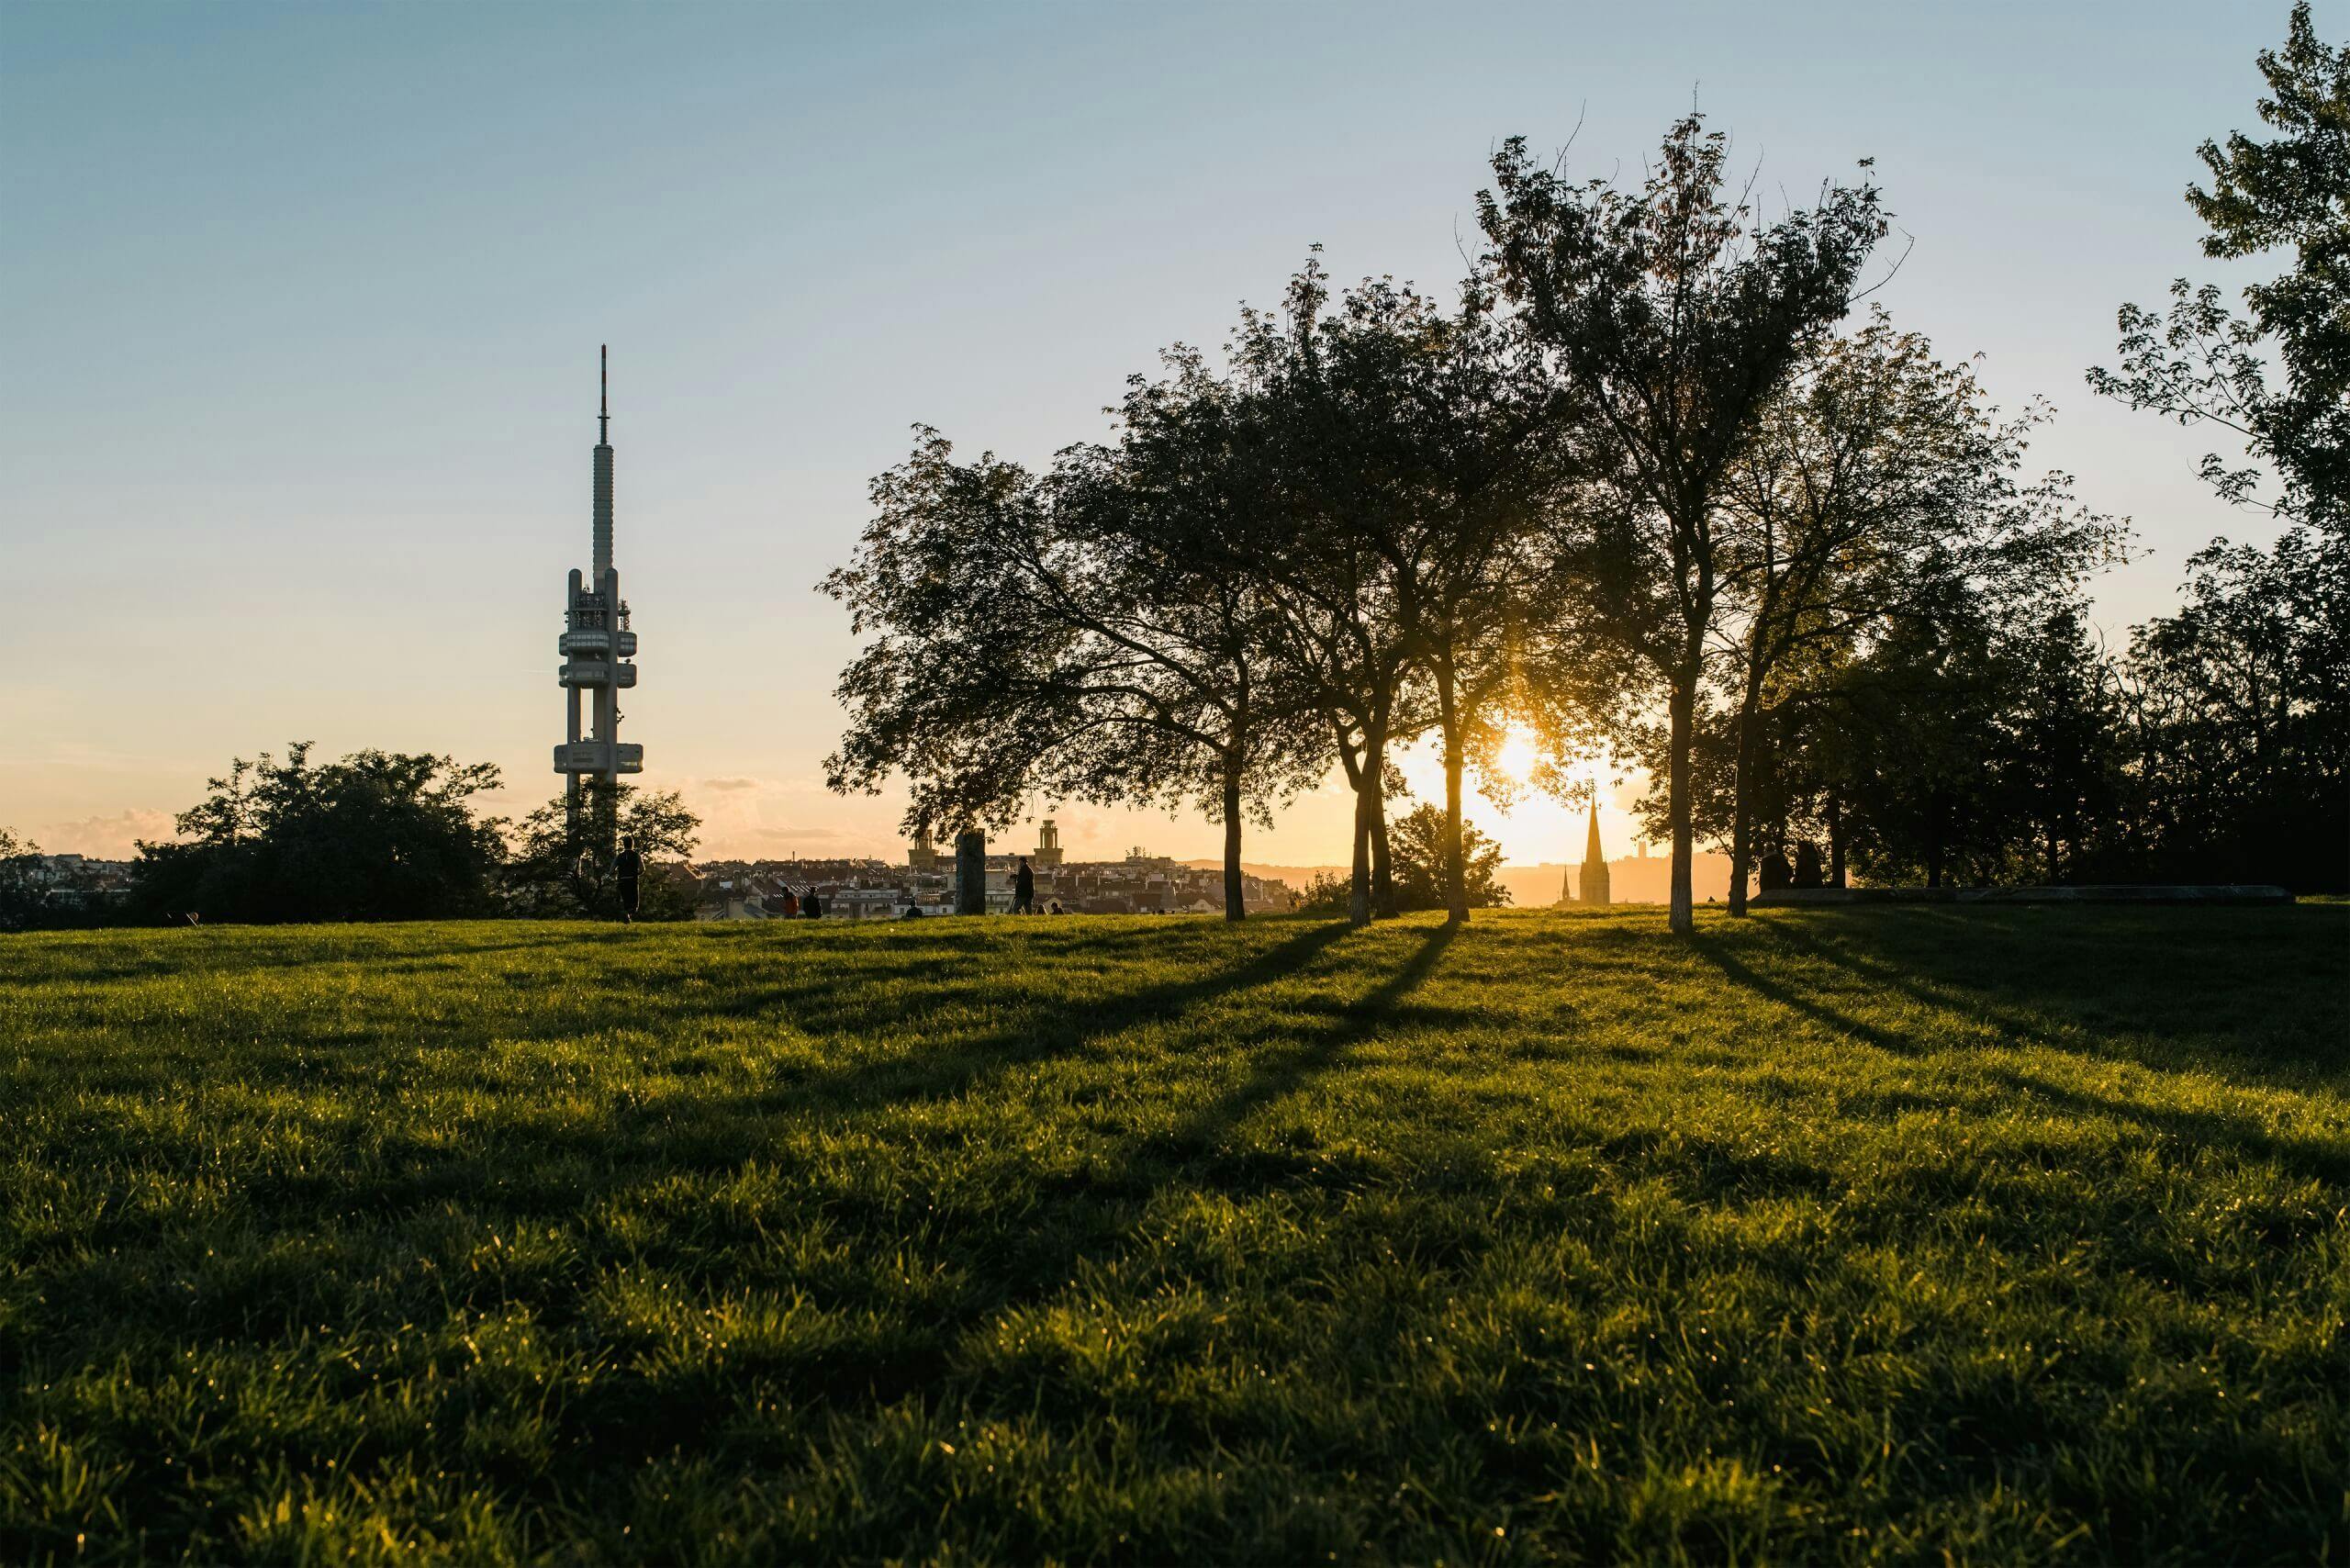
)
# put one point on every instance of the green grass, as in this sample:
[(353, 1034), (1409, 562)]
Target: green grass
[(1911, 1233)]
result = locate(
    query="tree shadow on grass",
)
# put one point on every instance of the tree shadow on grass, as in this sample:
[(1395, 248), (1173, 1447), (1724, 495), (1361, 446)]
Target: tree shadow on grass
[(706, 1129), (1718, 952), (2034, 985), (933, 1073), (1285, 1071), (2319, 1161)]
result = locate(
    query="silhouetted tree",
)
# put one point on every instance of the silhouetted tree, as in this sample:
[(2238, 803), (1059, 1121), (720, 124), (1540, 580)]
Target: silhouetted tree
[(1447, 421), (2201, 365), (2062, 751), (19, 891), (1672, 322), (1425, 871), (1920, 719), (1345, 467), (2240, 701), (378, 836), (1099, 635), (1875, 479), (1181, 518), (560, 862), (2238, 718)]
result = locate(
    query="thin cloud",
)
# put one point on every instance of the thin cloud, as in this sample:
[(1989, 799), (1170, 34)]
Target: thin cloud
[(796, 834), (105, 838)]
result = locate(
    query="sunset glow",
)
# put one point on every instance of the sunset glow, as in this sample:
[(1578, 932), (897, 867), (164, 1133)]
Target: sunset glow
[(1519, 756)]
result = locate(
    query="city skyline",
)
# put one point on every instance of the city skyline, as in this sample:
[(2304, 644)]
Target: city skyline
[(282, 365)]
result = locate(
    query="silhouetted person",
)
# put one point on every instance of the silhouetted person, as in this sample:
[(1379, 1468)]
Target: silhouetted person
[(628, 866), (914, 911), (810, 906), (789, 905), (1024, 890)]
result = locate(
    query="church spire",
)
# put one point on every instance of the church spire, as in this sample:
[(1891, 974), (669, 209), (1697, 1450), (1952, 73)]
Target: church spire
[(1595, 863)]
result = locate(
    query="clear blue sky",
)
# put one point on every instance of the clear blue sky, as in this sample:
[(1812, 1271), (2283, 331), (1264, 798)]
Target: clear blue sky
[(299, 307)]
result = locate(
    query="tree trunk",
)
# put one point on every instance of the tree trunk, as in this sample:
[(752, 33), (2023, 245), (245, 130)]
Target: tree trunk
[(1682, 919), (1456, 889), (1358, 850), (1835, 842), (1383, 861), (1741, 810), (1235, 902), (1358, 885)]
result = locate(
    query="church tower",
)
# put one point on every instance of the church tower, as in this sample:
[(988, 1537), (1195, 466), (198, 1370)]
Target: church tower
[(1594, 864), (1048, 844), (923, 853), (597, 643)]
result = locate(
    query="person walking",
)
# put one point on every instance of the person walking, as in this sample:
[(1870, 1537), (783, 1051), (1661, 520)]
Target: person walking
[(810, 906), (628, 866), (787, 904), (1024, 890)]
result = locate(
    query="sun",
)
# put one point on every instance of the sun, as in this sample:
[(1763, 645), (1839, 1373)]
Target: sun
[(1519, 756)]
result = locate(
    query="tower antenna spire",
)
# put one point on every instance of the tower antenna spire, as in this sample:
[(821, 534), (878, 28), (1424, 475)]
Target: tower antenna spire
[(604, 393)]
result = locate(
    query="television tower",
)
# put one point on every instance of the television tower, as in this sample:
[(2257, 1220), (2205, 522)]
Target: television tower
[(597, 643)]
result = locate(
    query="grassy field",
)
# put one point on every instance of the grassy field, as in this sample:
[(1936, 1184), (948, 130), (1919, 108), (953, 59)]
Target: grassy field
[(1986, 1234)]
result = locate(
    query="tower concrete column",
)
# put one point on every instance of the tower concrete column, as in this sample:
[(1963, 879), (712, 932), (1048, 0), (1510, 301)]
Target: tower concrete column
[(597, 646)]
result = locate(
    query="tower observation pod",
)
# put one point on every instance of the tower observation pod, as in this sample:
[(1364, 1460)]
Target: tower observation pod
[(597, 643)]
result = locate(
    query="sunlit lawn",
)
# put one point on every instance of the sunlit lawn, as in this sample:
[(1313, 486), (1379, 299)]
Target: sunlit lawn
[(2002, 1235)]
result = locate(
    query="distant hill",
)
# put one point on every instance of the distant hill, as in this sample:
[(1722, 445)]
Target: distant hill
[(1632, 879)]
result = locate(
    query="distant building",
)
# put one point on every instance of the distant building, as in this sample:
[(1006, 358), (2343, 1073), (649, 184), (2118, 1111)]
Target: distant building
[(923, 854), (1594, 864), (869, 890), (1048, 846)]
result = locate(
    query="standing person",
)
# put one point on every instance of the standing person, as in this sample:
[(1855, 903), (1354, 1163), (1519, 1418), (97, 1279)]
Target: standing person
[(628, 866), (1024, 890), (788, 906), (810, 906)]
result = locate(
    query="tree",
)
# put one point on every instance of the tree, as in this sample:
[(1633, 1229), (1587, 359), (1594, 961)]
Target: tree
[(1918, 720), (1670, 323), (2237, 699), (2201, 365), (2241, 701), (19, 891), (1445, 422), (378, 836), (2062, 749), (1425, 871), (1340, 483), (1099, 634), (1180, 516), (1874, 478), (559, 862)]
